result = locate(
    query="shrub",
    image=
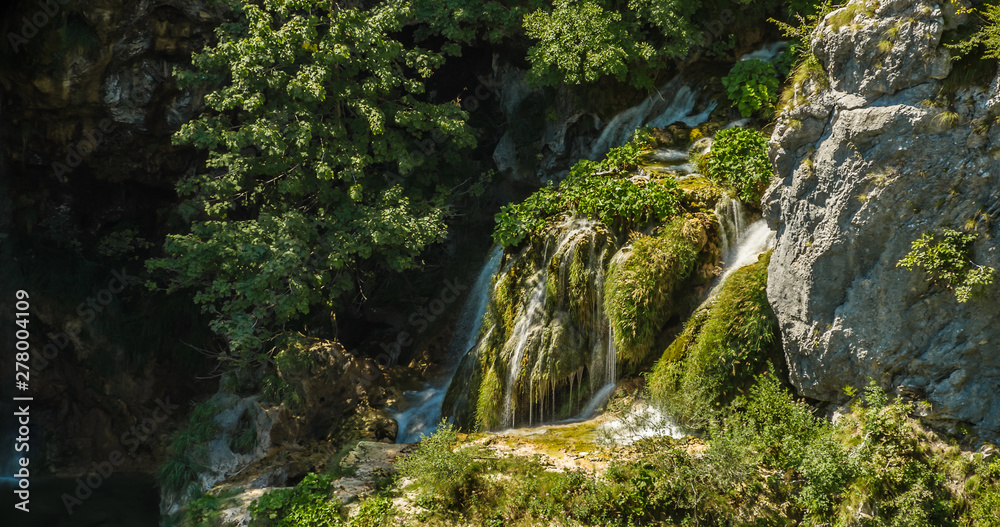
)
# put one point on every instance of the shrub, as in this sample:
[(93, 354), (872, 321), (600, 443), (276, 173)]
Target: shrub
[(593, 190), (311, 502), (894, 476), (376, 511), (753, 86), (946, 258), (445, 475), (739, 159), (985, 496)]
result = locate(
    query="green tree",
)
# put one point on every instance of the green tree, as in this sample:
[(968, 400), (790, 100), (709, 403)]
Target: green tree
[(315, 105), (581, 41)]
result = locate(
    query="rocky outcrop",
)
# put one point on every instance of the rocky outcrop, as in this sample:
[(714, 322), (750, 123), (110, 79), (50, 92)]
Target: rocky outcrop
[(886, 153)]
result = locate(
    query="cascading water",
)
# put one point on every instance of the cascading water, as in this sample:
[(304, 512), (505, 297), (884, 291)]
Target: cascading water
[(529, 322), (520, 335), (654, 111), (423, 408), (732, 222), (752, 242)]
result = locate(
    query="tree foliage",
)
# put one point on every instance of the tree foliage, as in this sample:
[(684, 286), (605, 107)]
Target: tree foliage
[(314, 103), (580, 41)]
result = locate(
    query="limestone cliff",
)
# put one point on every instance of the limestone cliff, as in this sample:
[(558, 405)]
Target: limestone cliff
[(885, 145)]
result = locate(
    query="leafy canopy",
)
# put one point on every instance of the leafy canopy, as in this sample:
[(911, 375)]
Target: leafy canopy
[(313, 104), (580, 41)]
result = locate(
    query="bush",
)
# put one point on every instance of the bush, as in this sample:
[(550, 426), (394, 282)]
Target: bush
[(376, 511), (592, 190), (894, 476), (947, 260), (445, 475), (753, 86), (311, 502), (985, 496), (739, 159)]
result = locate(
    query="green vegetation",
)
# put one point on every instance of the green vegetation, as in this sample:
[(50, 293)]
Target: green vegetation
[(243, 440), (721, 349), (204, 511), (946, 257), (753, 86), (739, 159), (985, 34), (596, 190), (446, 474), (313, 105), (311, 502), (490, 401), (806, 71), (769, 461), (990, 33), (189, 445), (641, 295), (583, 40)]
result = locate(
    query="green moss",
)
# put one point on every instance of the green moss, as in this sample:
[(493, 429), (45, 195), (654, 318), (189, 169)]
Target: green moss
[(640, 295), (722, 347), (489, 403)]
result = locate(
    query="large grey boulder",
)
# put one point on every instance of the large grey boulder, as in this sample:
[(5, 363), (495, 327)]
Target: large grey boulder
[(865, 166)]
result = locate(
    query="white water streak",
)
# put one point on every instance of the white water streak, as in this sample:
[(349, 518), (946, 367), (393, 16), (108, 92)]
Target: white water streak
[(423, 407)]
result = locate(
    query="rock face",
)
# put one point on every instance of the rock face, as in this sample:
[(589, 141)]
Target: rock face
[(886, 153)]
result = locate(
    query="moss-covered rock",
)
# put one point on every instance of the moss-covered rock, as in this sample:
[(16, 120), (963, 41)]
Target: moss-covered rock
[(643, 293), (723, 346)]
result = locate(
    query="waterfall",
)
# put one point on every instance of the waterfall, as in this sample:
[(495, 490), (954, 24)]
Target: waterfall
[(767, 53), (423, 411), (654, 111), (732, 224), (752, 242), (520, 334), (529, 322)]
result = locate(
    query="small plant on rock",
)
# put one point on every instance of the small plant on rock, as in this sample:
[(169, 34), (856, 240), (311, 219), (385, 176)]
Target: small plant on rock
[(947, 259)]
